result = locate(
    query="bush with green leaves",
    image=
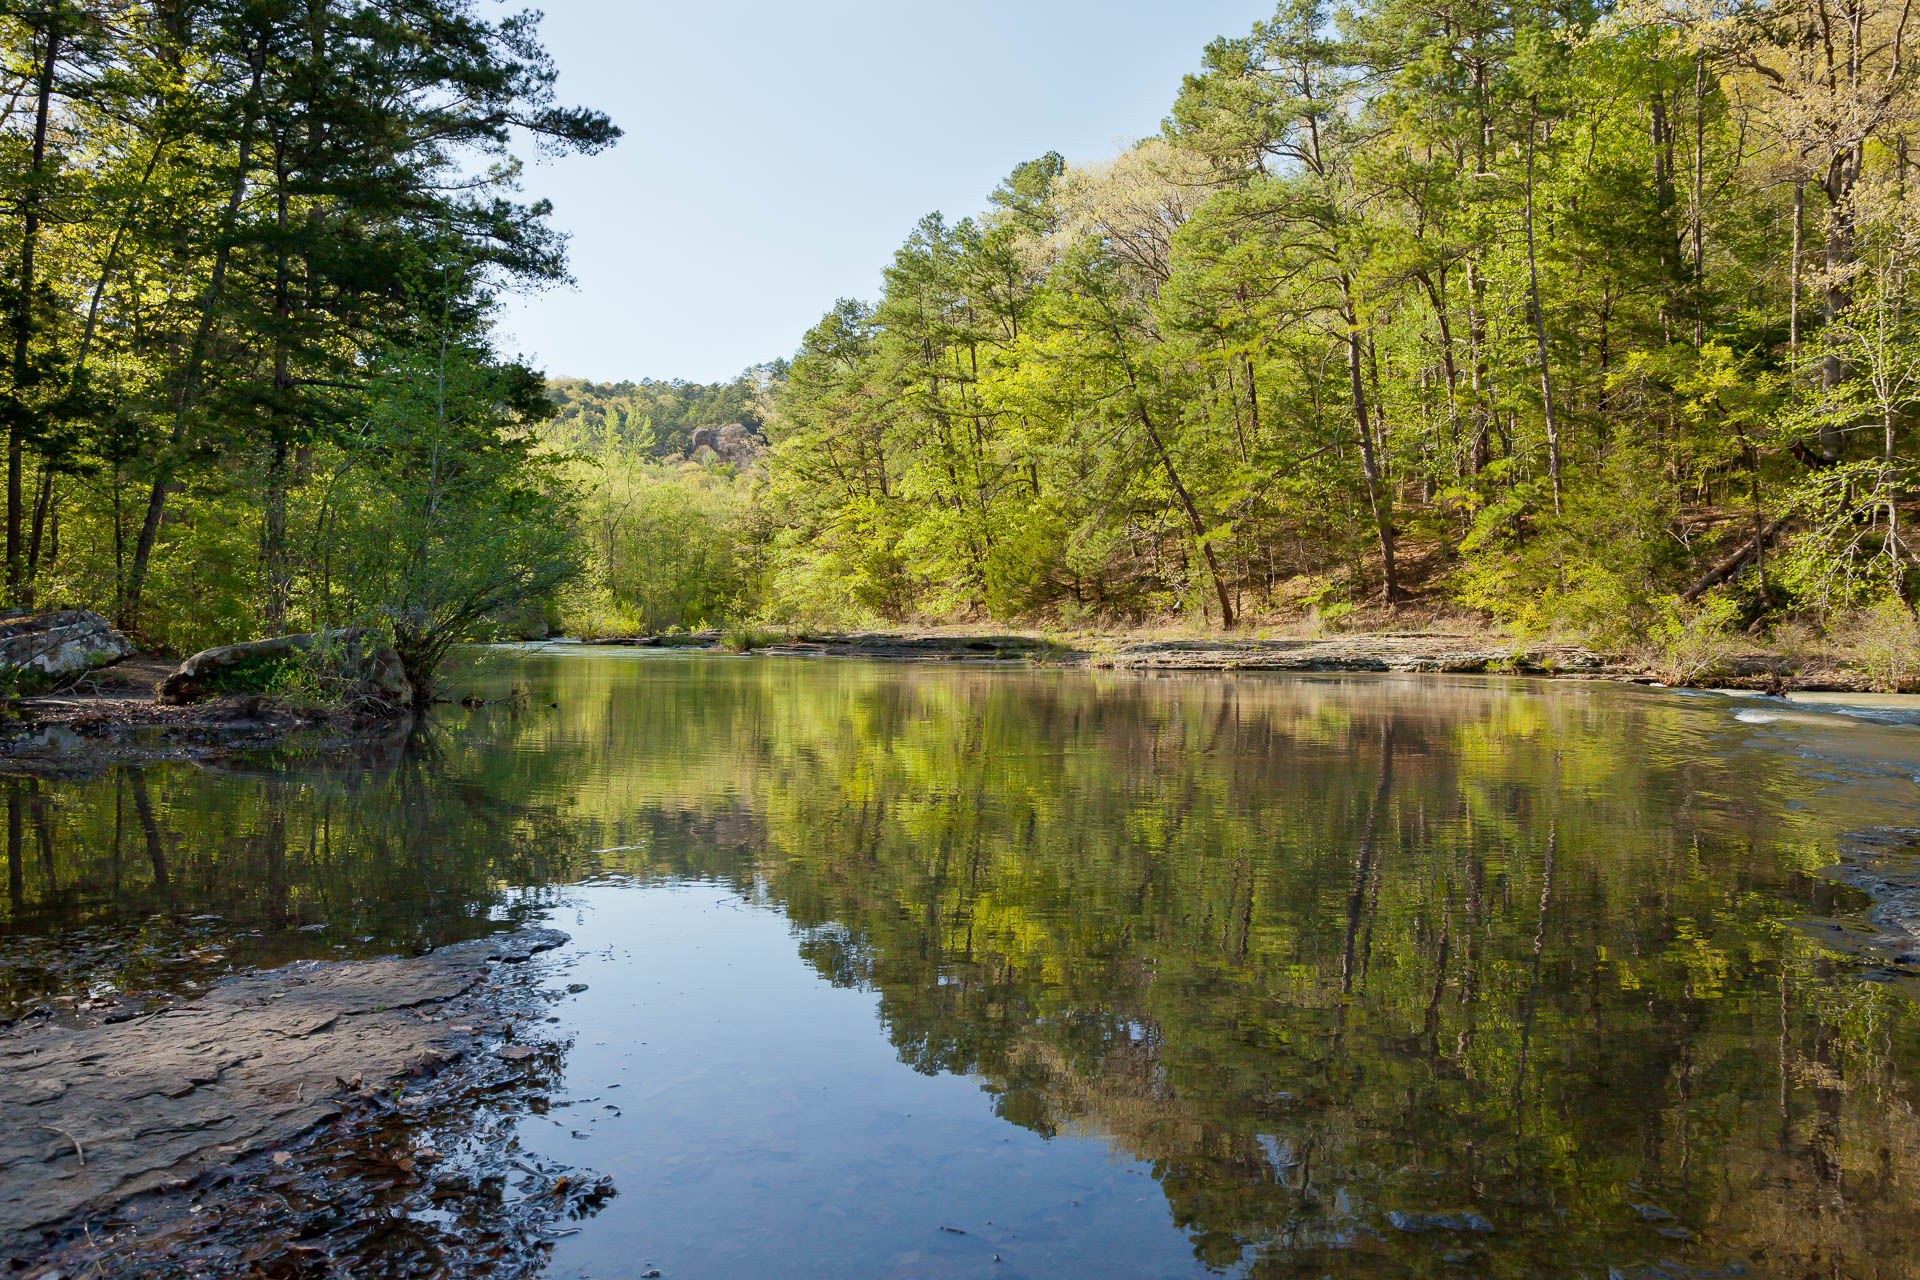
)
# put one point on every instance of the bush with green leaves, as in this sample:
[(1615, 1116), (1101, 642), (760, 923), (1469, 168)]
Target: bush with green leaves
[(666, 547), (1883, 641), (439, 514), (1690, 640)]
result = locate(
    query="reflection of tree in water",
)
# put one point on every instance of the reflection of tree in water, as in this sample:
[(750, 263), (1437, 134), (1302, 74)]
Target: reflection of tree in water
[(162, 877), (1316, 951), (1321, 952)]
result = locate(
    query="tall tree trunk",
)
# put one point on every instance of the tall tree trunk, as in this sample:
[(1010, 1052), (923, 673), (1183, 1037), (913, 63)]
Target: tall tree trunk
[(1478, 371), (1378, 497), (1436, 296), (1697, 212), (1793, 273), (1670, 258), (191, 376), (42, 505), (1837, 184), (1253, 401), (23, 310), (1540, 334), (274, 526), (1185, 499)]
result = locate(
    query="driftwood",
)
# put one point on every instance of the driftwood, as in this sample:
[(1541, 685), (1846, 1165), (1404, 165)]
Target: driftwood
[(1731, 565)]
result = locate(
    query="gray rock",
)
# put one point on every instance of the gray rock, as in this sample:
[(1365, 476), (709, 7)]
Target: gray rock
[(92, 1115), (50, 647), (518, 948), (734, 443), (367, 671)]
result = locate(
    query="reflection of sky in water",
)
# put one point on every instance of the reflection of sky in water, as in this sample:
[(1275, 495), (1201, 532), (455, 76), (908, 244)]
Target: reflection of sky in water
[(760, 1127)]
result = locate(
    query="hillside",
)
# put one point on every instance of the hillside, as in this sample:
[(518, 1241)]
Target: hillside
[(665, 421)]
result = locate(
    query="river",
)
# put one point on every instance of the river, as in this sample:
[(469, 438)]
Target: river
[(971, 970)]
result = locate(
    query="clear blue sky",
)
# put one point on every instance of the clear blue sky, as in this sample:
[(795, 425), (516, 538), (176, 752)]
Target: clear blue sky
[(776, 153)]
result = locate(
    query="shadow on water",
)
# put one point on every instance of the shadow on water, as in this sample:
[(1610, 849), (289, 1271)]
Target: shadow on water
[(1365, 976)]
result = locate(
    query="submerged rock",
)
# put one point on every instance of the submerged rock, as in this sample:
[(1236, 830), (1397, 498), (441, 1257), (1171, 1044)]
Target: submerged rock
[(518, 948), (1418, 1222), (367, 671), (46, 648)]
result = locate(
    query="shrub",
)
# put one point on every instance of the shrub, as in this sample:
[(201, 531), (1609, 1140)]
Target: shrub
[(262, 674), (1686, 642), (743, 639), (335, 673)]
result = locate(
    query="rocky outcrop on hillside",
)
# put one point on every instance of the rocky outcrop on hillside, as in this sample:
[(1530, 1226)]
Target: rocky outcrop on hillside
[(735, 444)]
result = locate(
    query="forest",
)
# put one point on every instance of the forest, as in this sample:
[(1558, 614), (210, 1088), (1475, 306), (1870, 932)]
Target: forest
[(1593, 320), (1586, 319), (248, 273), (654, 420)]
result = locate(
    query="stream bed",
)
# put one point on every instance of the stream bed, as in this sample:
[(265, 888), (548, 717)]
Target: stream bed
[(929, 970)]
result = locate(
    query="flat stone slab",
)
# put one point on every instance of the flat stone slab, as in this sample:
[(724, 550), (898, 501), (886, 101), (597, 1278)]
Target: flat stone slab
[(1430, 653), (92, 1115)]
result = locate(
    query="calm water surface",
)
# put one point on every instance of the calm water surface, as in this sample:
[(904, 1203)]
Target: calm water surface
[(962, 971)]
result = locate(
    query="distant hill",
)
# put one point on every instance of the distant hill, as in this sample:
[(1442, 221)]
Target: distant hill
[(707, 422)]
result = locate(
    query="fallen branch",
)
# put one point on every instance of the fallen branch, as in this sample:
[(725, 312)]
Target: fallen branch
[(1731, 565)]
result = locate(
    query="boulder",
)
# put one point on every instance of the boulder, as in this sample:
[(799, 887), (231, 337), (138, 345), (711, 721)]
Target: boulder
[(734, 443), (359, 668), (48, 648)]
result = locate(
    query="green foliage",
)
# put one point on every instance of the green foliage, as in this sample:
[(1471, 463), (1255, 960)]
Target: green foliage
[(1474, 305), (1885, 642), (1599, 568), (1847, 552), (1480, 305), (668, 548), (1687, 641), (330, 675), (237, 222), (655, 420), (746, 639), (204, 584), (440, 513), (261, 673)]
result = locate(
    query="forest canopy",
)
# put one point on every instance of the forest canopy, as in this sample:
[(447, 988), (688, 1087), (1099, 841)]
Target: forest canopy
[(1591, 318), (654, 419), (1594, 319), (247, 278)]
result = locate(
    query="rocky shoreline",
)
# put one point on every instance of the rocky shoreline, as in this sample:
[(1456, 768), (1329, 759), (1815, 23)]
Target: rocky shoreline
[(82, 699), (133, 1144), (79, 733), (1447, 653)]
